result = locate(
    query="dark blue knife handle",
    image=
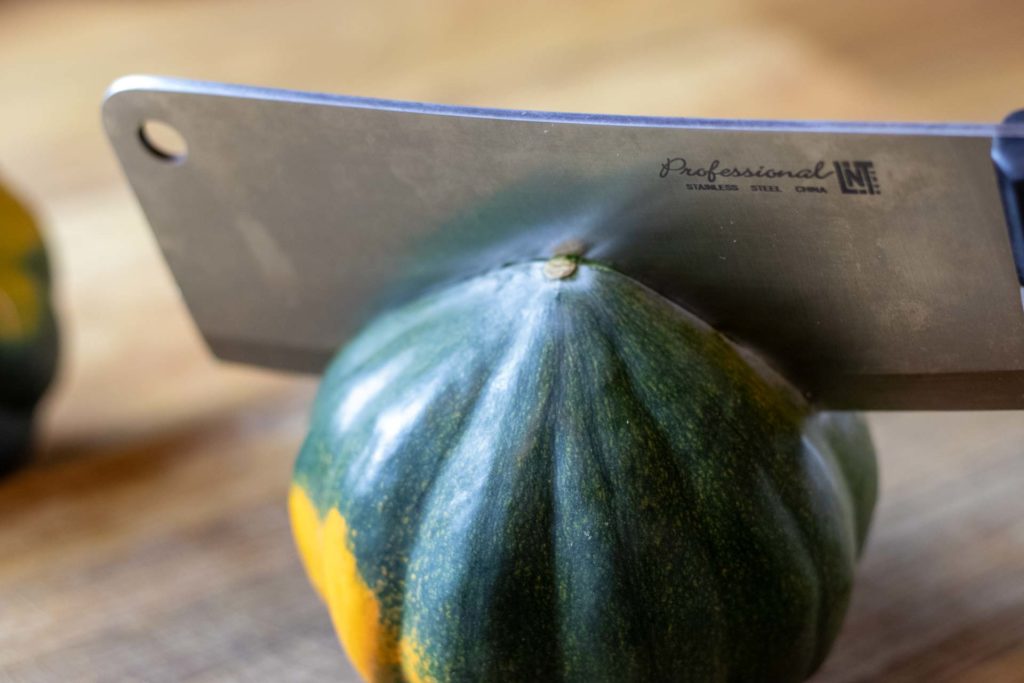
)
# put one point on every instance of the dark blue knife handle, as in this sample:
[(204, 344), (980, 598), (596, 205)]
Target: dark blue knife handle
[(1008, 156)]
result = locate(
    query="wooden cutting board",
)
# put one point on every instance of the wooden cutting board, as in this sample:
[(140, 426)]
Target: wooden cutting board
[(170, 559), (149, 541)]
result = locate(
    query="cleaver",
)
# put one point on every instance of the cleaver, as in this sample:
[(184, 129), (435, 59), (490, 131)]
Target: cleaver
[(878, 266)]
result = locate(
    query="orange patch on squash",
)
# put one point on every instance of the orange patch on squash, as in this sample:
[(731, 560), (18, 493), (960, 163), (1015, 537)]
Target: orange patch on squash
[(326, 549), (415, 666), (306, 530), (18, 235), (20, 305)]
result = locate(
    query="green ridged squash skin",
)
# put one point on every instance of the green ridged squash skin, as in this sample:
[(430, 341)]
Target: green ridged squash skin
[(28, 332), (575, 480)]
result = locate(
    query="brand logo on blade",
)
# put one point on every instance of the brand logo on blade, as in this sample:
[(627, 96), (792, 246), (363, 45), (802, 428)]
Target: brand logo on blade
[(853, 177), (856, 177)]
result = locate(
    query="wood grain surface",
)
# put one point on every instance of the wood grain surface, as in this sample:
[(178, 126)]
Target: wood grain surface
[(149, 541)]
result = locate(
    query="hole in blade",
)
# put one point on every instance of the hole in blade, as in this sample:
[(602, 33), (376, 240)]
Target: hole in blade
[(163, 141)]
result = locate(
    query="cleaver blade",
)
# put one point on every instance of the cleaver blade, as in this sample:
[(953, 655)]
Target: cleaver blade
[(871, 263)]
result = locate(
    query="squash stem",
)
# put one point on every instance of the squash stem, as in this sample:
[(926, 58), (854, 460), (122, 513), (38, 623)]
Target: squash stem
[(561, 267)]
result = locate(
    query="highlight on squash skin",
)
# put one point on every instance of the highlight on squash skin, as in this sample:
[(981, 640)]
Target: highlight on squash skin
[(325, 545)]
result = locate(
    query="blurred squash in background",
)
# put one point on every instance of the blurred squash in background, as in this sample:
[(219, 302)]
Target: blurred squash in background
[(28, 331)]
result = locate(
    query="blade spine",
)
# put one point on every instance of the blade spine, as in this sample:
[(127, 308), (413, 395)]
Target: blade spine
[(166, 84)]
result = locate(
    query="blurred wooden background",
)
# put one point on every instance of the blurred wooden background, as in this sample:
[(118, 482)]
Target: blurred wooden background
[(149, 541)]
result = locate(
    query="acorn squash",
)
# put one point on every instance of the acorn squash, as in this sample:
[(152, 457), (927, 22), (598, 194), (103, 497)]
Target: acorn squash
[(552, 473), (28, 336)]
